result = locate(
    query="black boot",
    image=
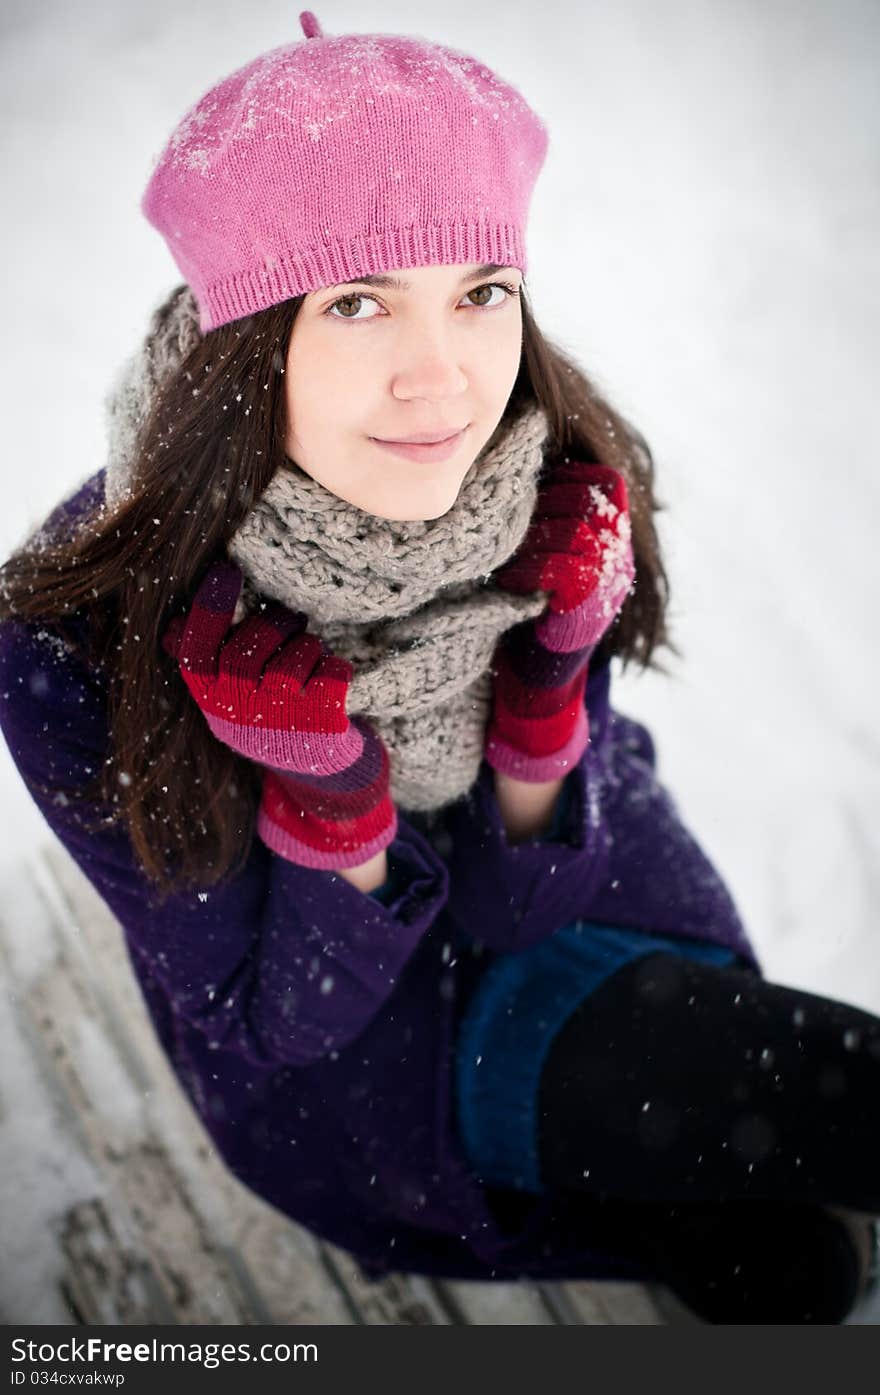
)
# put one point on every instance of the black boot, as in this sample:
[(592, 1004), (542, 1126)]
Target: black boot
[(758, 1262)]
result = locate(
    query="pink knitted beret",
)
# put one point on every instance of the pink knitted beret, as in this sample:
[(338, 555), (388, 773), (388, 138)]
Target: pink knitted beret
[(336, 157)]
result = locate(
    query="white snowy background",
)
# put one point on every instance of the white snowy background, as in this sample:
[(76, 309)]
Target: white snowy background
[(703, 238)]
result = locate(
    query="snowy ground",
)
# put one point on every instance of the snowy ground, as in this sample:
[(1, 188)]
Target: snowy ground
[(703, 237)]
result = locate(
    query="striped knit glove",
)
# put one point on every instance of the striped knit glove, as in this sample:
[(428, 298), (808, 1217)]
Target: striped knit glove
[(276, 695), (577, 548)]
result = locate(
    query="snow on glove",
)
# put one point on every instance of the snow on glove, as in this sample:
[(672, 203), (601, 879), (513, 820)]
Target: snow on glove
[(274, 694), (578, 548)]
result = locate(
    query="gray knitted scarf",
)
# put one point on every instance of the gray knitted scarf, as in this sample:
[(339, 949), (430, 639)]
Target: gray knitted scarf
[(410, 604)]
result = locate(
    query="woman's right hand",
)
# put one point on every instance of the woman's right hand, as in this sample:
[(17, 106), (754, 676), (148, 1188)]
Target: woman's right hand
[(276, 695), (268, 690)]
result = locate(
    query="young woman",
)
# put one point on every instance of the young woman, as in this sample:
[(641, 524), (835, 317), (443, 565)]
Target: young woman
[(324, 715)]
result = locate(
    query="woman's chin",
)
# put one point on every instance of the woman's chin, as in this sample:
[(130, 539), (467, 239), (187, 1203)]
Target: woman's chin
[(424, 506)]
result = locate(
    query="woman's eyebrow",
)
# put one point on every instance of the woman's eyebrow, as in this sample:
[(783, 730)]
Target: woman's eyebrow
[(396, 283)]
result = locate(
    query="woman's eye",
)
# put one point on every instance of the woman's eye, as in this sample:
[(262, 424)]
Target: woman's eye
[(503, 286), (348, 300)]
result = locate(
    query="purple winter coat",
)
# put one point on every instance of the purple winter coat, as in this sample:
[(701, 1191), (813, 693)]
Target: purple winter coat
[(313, 1027)]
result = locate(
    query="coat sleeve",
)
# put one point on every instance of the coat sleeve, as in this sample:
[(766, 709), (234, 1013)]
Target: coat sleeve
[(619, 853), (282, 963)]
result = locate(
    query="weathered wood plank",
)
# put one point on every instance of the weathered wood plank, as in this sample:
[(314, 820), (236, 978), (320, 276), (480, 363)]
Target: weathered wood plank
[(303, 1283), (167, 1233), (477, 1303), (186, 1253), (614, 1302), (147, 1207), (403, 1300), (43, 1172), (286, 1267), (105, 1282)]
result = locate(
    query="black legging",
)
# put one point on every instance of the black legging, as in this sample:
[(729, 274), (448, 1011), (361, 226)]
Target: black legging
[(707, 1115)]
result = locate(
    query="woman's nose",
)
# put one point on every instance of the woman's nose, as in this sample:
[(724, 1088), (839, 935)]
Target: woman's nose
[(429, 368)]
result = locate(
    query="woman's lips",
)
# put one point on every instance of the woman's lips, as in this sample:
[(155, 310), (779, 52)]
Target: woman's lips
[(440, 450)]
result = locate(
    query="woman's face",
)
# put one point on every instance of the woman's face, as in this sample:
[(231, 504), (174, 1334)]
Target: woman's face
[(368, 359)]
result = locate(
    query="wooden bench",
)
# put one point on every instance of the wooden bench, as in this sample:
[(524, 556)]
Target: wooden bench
[(117, 1209)]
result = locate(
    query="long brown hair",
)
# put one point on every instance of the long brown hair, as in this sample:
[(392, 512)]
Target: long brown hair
[(204, 454)]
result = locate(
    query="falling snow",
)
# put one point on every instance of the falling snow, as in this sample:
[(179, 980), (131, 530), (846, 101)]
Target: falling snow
[(815, 824)]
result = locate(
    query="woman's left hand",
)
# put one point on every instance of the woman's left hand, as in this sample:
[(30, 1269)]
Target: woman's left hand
[(578, 548)]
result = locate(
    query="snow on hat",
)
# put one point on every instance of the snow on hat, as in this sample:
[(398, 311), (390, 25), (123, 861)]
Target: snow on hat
[(339, 156)]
